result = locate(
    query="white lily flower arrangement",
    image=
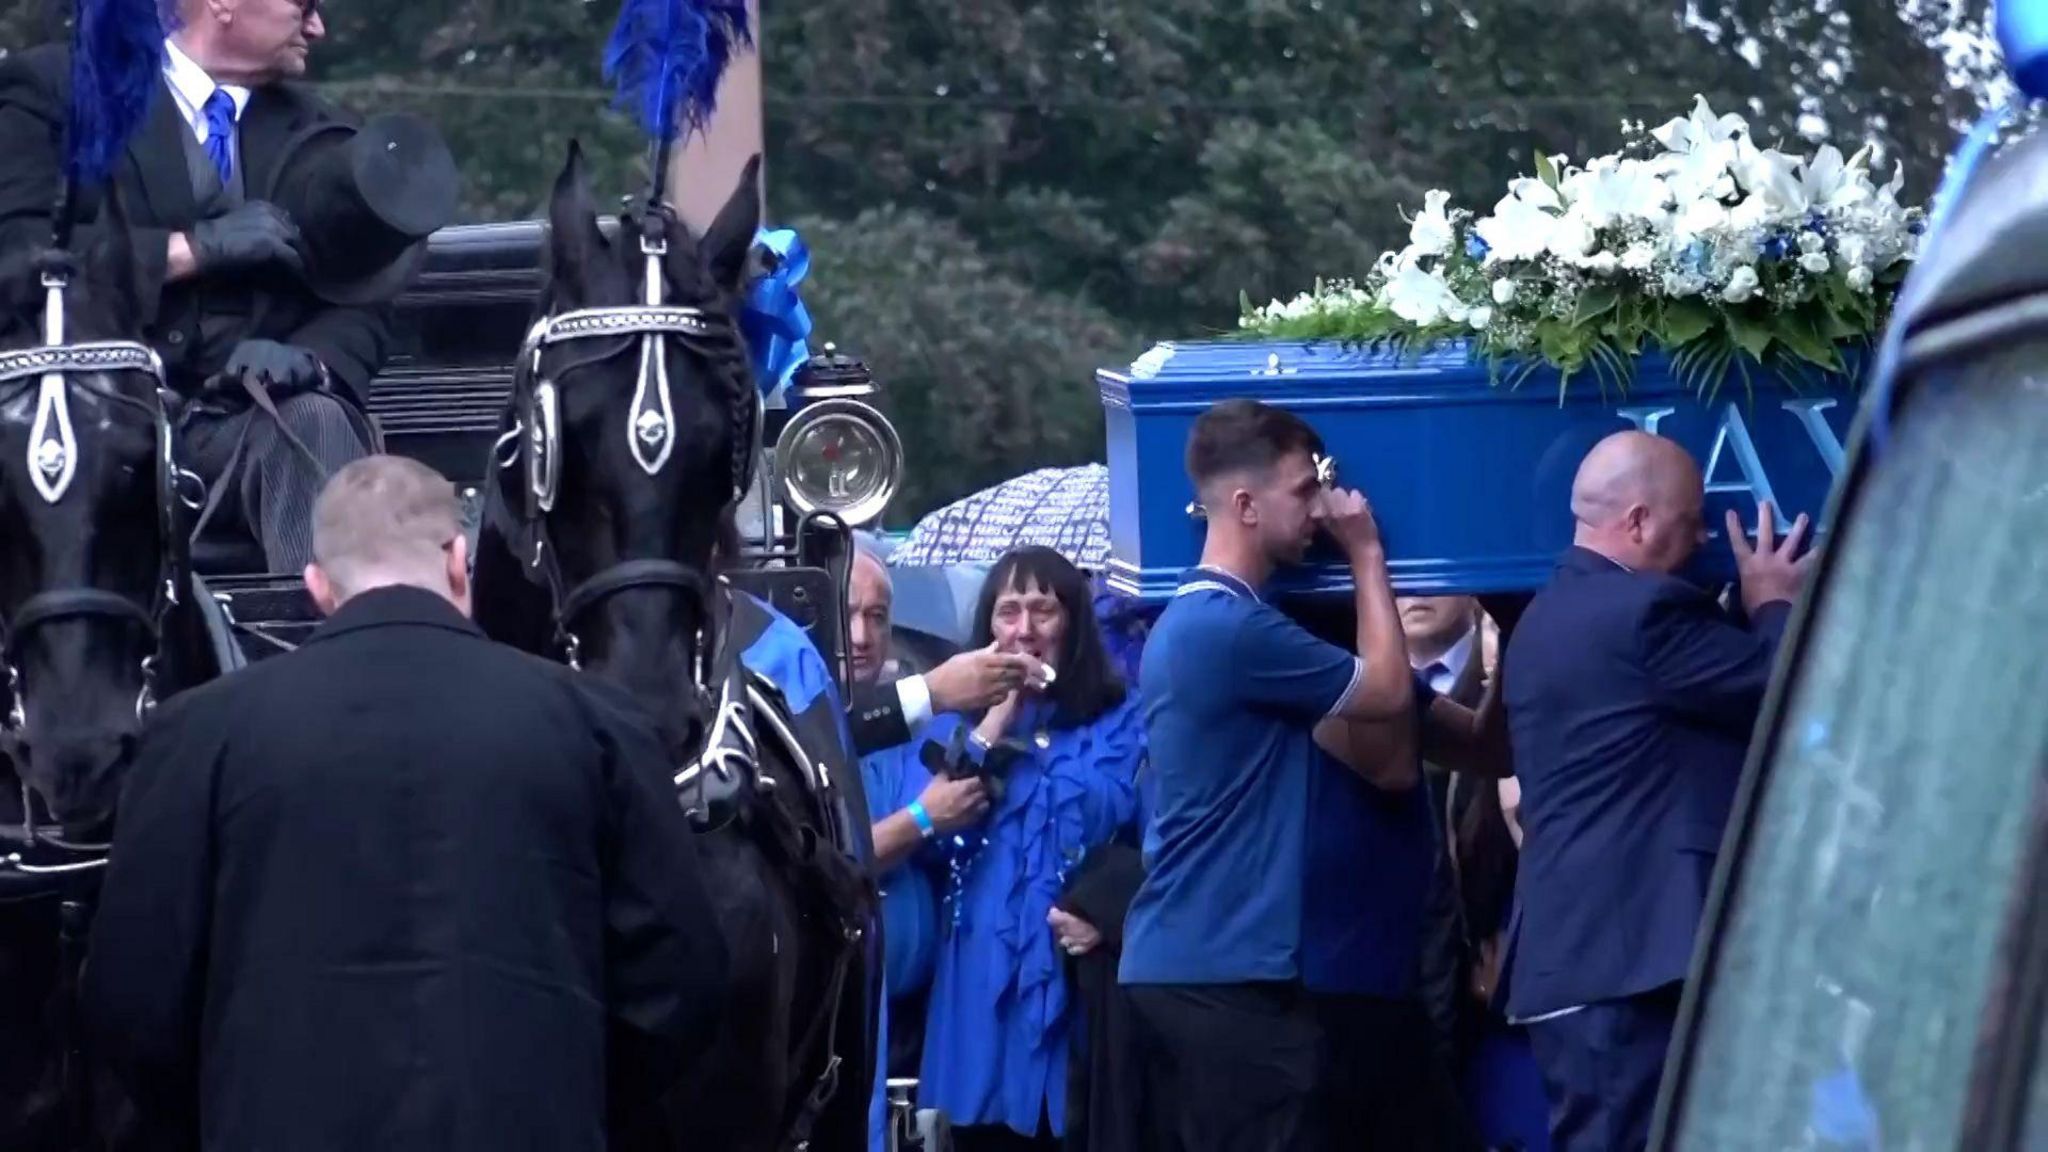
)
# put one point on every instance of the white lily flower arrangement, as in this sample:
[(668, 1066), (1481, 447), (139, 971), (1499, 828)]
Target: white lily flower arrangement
[(1693, 240)]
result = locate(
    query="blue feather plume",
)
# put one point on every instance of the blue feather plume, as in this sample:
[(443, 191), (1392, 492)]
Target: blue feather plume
[(666, 57), (117, 61)]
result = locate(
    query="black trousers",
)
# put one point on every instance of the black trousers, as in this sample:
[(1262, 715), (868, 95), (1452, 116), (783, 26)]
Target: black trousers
[(997, 1138), (1601, 1066), (906, 1034), (271, 490), (1228, 1067), (1381, 1087)]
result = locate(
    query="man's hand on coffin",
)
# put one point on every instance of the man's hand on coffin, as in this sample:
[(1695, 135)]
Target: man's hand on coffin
[(282, 369), (252, 235), (1347, 517), (1770, 569)]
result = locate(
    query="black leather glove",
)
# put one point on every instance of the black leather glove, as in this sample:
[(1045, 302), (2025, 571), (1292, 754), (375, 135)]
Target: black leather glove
[(282, 369), (253, 234)]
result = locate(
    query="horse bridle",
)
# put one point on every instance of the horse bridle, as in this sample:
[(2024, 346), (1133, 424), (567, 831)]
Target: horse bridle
[(731, 749), (59, 368), (536, 434)]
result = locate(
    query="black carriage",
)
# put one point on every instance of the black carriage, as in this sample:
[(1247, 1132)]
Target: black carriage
[(439, 399)]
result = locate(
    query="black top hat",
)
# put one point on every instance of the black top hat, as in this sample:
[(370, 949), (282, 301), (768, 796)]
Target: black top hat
[(365, 200)]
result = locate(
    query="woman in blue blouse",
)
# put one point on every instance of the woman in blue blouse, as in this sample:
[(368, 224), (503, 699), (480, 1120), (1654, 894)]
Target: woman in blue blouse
[(1064, 759)]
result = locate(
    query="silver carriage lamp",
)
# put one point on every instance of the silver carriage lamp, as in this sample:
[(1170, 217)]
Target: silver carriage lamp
[(837, 453)]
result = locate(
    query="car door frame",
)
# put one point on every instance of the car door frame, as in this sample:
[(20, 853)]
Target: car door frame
[(2009, 1041)]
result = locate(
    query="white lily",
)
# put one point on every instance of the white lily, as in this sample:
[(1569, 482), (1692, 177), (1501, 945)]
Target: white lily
[(1430, 231), (1522, 224), (1700, 129), (1422, 298), (1831, 184), (1573, 239), (1775, 180), (1741, 285), (1611, 190), (1705, 172), (1699, 217)]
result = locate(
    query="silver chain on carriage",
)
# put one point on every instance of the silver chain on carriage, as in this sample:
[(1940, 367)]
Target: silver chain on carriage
[(53, 459)]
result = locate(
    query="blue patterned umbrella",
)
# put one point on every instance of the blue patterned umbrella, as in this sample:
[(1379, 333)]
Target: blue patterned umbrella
[(1066, 509)]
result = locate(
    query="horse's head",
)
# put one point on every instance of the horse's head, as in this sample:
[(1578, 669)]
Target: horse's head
[(639, 414), (85, 525)]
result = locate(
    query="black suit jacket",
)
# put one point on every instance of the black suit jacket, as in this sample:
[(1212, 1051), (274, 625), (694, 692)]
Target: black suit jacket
[(1444, 957), (155, 188), (874, 714), (403, 889)]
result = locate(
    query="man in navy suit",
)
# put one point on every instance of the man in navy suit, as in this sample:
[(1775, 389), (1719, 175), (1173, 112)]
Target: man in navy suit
[(1631, 697)]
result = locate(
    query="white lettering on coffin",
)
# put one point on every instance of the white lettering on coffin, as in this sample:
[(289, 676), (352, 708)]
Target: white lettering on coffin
[(1732, 439)]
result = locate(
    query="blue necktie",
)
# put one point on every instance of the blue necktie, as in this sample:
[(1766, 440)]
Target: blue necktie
[(220, 132)]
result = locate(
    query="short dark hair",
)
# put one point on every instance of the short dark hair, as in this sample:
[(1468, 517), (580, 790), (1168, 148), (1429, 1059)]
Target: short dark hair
[(1245, 436)]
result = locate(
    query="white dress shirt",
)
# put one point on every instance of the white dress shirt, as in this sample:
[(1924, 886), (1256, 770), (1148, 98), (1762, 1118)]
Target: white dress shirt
[(916, 698), (1443, 672), (191, 87)]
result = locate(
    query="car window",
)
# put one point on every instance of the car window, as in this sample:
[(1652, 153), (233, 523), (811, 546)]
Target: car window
[(2037, 1099), (1851, 980)]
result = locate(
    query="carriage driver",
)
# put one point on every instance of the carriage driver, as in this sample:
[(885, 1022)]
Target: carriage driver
[(258, 258)]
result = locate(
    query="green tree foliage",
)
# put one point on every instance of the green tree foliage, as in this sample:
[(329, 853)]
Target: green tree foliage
[(509, 82), (1000, 197), (985, 374)]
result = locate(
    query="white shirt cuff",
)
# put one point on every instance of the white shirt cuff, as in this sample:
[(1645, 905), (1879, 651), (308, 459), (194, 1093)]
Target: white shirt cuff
[(916, 698)]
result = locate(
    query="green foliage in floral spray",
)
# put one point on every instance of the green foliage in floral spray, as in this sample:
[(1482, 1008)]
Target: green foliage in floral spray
[(1692, 240)]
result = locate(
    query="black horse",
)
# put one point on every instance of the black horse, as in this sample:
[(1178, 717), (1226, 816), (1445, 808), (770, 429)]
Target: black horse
[(631, 429), (99, 618)]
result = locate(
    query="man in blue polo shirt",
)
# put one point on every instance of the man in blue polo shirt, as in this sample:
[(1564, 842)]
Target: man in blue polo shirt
[(1374, 853), (1233, 692)]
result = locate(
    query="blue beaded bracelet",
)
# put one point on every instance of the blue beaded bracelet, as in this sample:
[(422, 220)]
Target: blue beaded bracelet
[(922, 819)]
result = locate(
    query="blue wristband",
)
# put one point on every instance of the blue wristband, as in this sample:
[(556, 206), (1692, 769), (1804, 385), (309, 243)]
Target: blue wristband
[(922, 819)]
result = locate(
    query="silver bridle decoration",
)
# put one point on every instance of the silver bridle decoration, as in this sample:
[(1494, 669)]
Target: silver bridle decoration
[(52, 441), (651, 418), (52, 445), (53, 455), (730, 748)]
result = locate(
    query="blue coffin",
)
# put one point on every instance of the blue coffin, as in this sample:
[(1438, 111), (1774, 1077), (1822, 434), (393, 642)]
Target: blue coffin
[(1470, 480)]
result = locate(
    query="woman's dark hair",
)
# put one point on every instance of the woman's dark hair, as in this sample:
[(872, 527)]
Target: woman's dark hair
[(1085, 685)]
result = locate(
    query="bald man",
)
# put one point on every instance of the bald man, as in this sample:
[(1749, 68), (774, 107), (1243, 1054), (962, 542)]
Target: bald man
[(1631, 697), (403, 888)]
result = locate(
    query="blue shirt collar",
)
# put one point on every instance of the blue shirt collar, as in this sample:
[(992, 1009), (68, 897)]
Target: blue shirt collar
[(1202, 578)]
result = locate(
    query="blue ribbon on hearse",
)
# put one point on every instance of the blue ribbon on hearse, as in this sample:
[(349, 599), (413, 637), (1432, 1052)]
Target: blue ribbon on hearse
[(773, 317)]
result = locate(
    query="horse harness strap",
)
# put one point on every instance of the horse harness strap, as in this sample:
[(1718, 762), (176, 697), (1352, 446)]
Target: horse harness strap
[(728, 767), (713, 789), (62, 369), (261, 398), (827, 1083), (536, 433)]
